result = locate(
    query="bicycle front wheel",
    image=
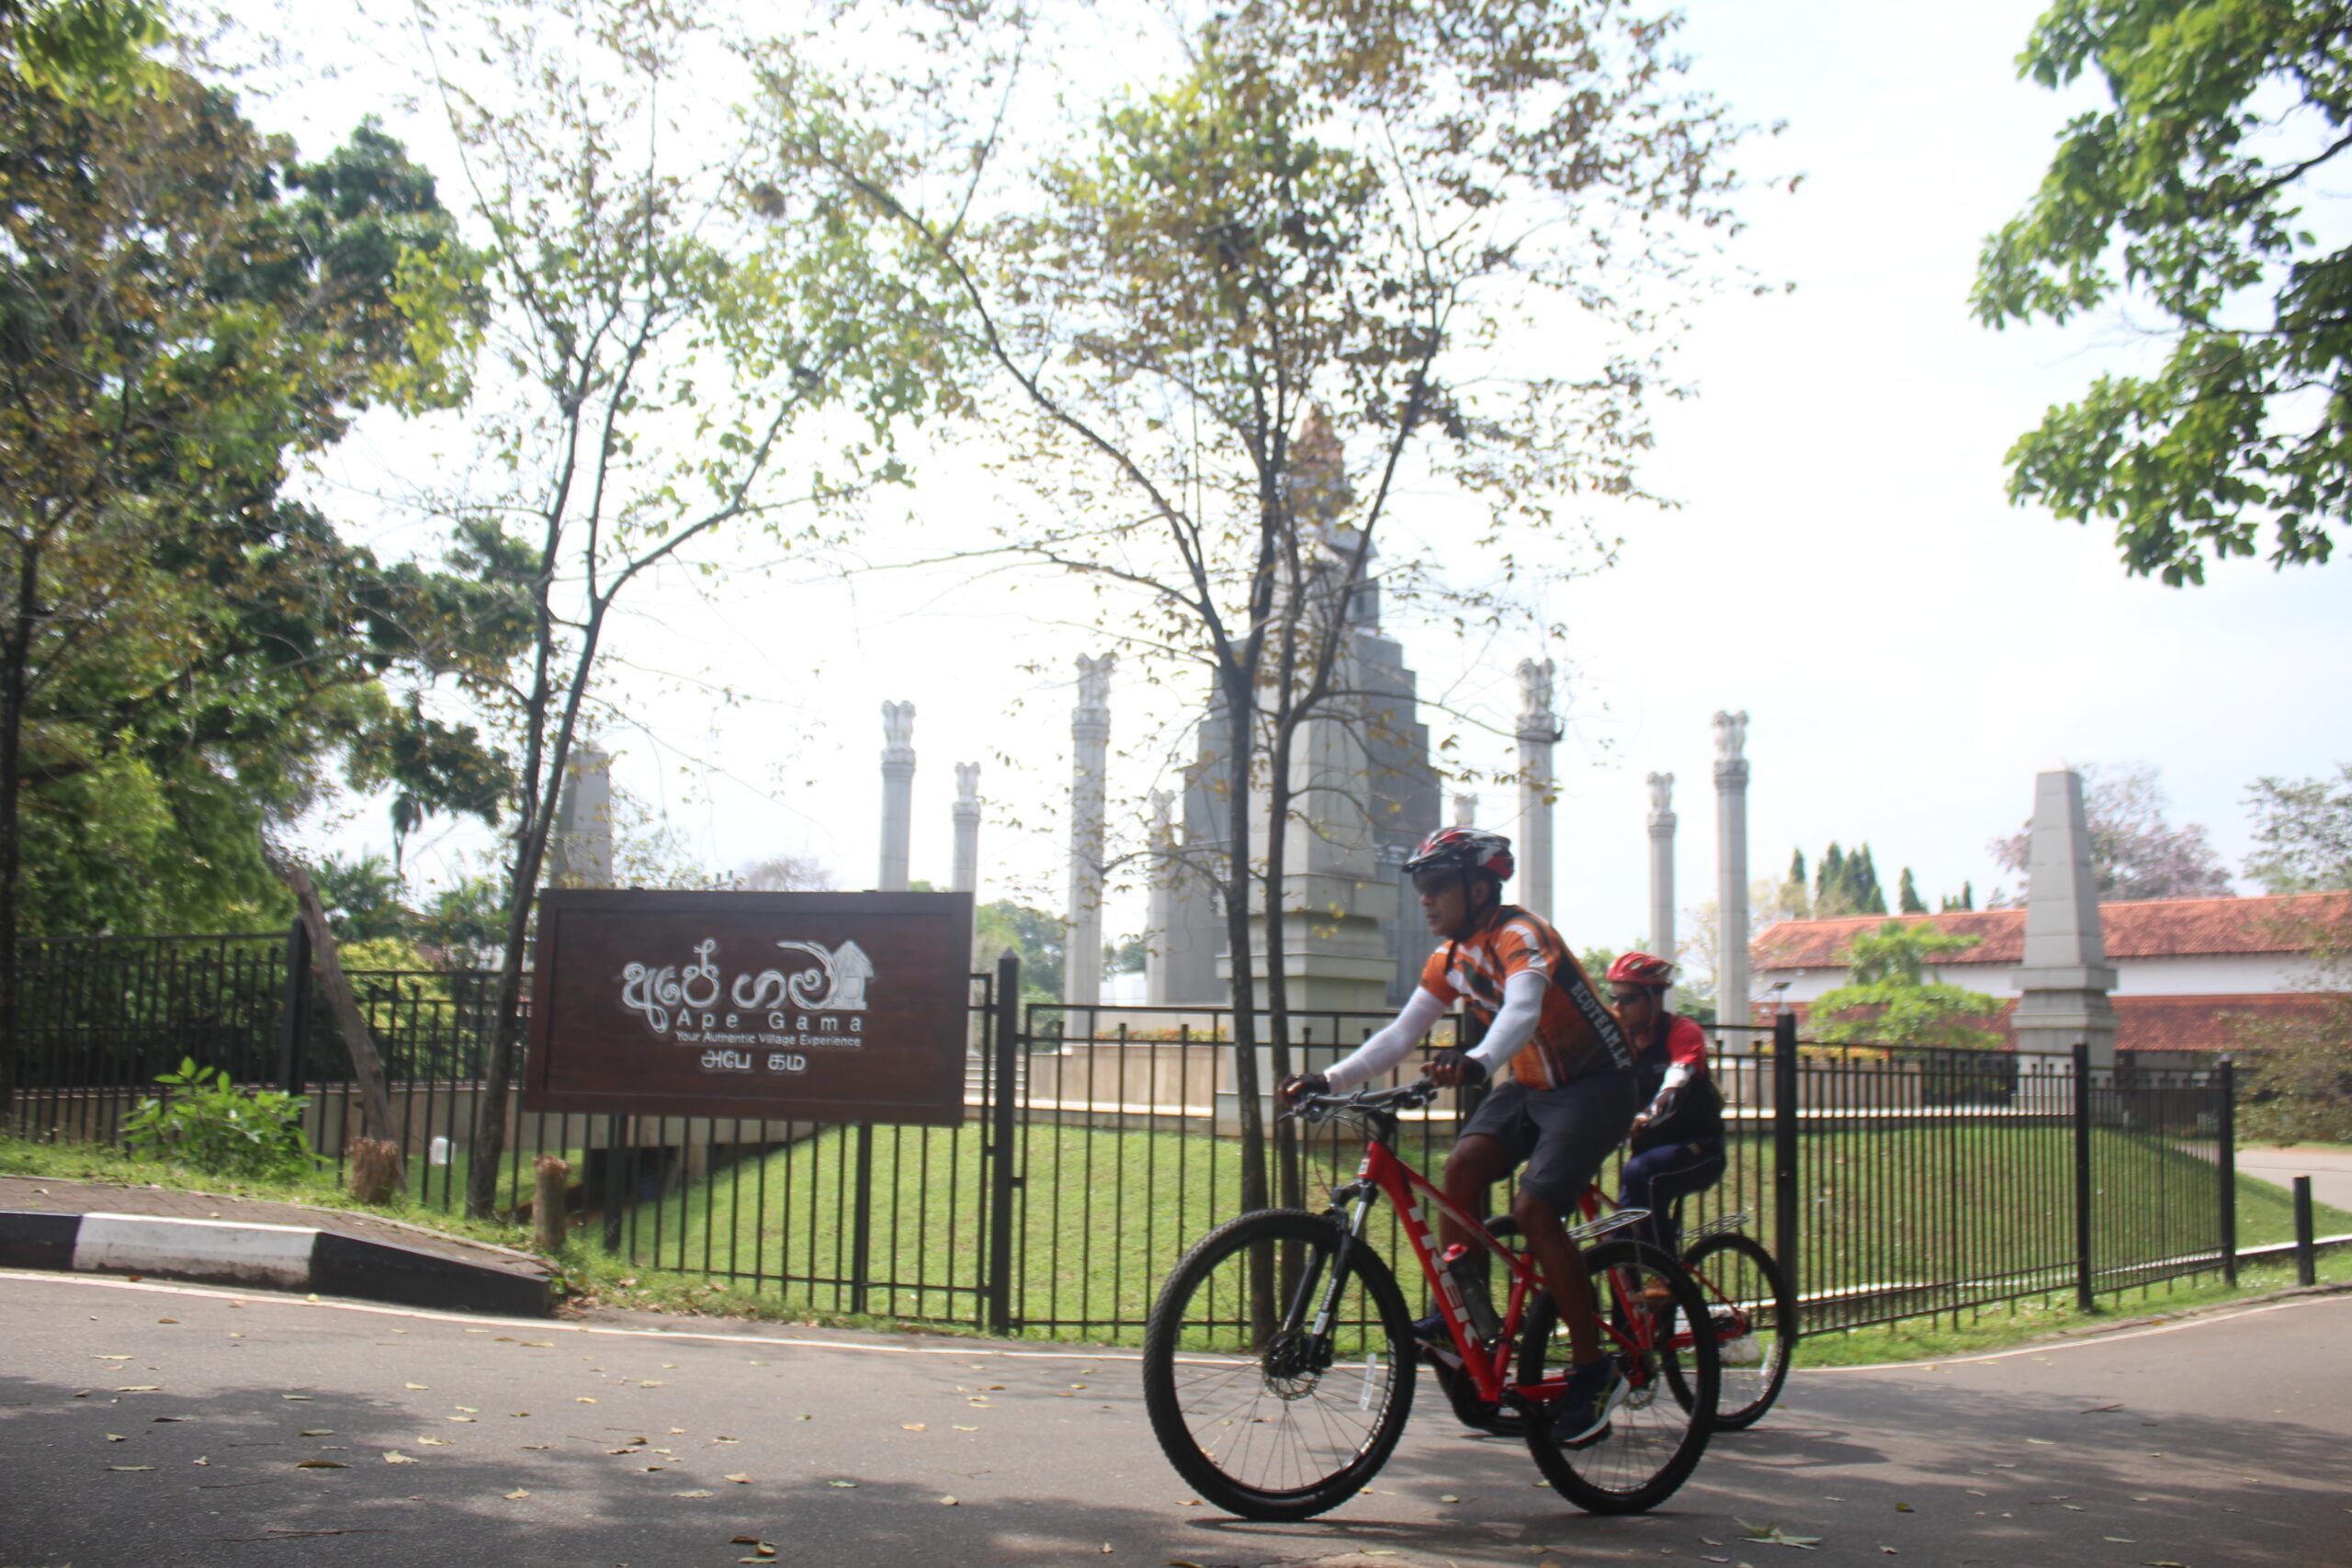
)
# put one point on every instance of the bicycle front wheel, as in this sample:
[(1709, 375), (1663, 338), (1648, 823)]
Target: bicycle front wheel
[(1754, 1323), (1266, 1417), (1654, 1440)]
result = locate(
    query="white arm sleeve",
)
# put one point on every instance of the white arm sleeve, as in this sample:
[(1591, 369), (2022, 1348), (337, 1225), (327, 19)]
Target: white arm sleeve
[(1391, 1045), (1514, 1026)]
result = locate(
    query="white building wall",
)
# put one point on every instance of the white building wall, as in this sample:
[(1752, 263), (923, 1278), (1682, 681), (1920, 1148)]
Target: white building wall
[(2213, 975)]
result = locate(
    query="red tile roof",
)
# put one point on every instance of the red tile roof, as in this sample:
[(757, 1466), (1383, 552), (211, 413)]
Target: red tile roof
[(2160, 1023), (2169, 928)]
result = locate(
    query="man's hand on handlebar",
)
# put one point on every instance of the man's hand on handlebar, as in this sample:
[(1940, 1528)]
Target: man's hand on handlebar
[(1298, 1085), (1453, 1068)]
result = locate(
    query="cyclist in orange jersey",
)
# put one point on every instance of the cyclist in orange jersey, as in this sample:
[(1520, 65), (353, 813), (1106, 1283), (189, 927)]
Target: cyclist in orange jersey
[(1564, 1102)]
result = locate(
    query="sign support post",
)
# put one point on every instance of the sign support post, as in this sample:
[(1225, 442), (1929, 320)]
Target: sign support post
[(1004, 1047)]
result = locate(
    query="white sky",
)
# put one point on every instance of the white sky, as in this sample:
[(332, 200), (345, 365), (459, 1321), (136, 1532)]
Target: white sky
[(1843, 565)]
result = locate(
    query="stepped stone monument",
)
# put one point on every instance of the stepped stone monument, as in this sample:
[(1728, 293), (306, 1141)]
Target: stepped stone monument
[(580, 850), (1353, 939), (2063, 983)]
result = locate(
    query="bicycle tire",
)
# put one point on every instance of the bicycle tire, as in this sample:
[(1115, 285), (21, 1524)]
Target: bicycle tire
[(1271, 1425), (1654, 1440), (1734, 1268)]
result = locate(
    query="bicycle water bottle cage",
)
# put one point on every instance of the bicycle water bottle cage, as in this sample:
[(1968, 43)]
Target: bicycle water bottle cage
[(1593, 1230), (1720, 1226)]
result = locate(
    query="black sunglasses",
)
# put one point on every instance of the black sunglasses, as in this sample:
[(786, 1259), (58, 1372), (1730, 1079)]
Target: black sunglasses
[(1627, 999)]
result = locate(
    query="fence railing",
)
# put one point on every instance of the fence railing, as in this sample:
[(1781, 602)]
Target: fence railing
[(1099, 1141)]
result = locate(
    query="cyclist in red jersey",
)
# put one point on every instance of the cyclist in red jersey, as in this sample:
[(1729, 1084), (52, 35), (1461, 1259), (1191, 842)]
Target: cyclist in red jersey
[(1566, 1099), (1679, 1137)]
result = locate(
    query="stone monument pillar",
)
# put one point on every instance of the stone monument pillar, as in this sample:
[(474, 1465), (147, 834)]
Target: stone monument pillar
[(1662, 865), (580, 850), (1465, 811), (1089, 729), (898, 794), (1159, 926), (1539, 731), (2064, 978), (966, 878), (1731, 876)]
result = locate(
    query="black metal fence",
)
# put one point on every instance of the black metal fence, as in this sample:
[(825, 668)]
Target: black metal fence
[(1894, 1183)]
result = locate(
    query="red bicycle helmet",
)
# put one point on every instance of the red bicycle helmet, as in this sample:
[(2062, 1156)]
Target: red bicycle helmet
[(1464, 849), (1641, 969)]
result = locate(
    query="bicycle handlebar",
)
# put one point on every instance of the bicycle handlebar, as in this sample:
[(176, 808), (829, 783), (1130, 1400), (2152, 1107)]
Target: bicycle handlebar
[(1314, 1108)]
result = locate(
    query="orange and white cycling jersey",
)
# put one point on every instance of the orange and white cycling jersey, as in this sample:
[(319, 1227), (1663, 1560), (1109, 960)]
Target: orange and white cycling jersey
[(1575, 1032)]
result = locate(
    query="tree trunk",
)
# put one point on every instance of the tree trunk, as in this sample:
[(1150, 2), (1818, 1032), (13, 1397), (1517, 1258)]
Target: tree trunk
[(1240, 700), (16, 653), (1288, 1177)]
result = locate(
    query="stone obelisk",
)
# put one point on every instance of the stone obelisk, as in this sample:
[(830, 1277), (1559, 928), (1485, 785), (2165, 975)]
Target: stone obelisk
[(1158, 988), (1090, 731), (1539, 731), (966, 878), (2064, 978), (581, 848), (1731, 876), (898, 793), (1661, 936)]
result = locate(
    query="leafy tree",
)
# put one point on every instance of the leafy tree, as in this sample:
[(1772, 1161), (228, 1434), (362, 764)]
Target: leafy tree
[(362, 899), (1127, 957), (1893, 997), (1321, 225), (663, 323), (1848, 885), (2135, 851), (182, 304), (1907, 899), (1966, 899), (1038, 938), (2302, 833), (2189, 196), (464, 926), (1793, 896), (2298, 1069)]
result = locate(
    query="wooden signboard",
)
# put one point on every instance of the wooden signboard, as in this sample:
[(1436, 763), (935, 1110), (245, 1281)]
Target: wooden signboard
[(814, 1007)]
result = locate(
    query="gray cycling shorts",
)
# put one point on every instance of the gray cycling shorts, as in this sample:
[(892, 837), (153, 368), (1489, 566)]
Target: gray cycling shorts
[(1559, 1136)]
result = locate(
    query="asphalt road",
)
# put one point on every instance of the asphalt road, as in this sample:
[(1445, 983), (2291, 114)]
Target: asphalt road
[(2329, 1168), (145, 1425)]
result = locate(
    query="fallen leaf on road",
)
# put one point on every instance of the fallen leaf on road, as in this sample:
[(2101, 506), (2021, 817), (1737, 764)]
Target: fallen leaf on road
[(202, 1459), (130, 1467), (421, 1385), (1905, 1508), (584, 1399), (320, 1464), (1771, 1534), (140, 1388), (2121, 1540), (302, 1397), (1448, 1497), (651, 1382), (2098, 1409), (468, 1419), (742, 1478), (316, 1432), (833, 1483), (2045, 1442), (697, 1492), (804, 1417), (967, 1428), (517, 1493), (436, 1442), (116, 1438), (947, 1501), (912, 1427)]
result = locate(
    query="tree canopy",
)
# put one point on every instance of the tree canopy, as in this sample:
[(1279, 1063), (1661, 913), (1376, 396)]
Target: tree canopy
[(2196, 199), (1893, 997), (2136, 851), (2302, 833)]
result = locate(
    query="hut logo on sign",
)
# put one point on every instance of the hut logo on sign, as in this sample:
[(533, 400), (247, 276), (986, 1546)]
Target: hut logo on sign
[(816, 1005)]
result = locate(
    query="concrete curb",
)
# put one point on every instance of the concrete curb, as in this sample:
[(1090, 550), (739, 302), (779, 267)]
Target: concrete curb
[(286, 1258)]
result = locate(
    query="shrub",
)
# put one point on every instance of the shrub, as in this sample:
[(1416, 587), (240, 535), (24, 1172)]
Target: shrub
[(213, 1126)]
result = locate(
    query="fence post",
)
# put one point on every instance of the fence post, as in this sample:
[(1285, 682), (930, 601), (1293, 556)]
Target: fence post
[(1004, 1047), (1785, 1150), (2306, 1250), (298, 1013), (2226, 1078), (614, 1134), (2086, 1275), (861, 1236)]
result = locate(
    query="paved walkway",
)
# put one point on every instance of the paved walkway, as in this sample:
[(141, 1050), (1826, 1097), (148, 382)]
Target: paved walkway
[(189, 1426), (39, 1195), (2330, 1169)]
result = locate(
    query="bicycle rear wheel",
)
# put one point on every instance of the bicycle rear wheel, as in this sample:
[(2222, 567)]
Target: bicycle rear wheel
[(1654, 1440), (1755, 1321), (1269, 1420)]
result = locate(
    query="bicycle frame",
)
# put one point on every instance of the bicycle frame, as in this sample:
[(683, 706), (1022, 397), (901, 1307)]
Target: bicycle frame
[(1383, 1174)]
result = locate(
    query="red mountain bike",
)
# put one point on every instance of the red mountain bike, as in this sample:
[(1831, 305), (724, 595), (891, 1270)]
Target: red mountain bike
[(1278, 1360)]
